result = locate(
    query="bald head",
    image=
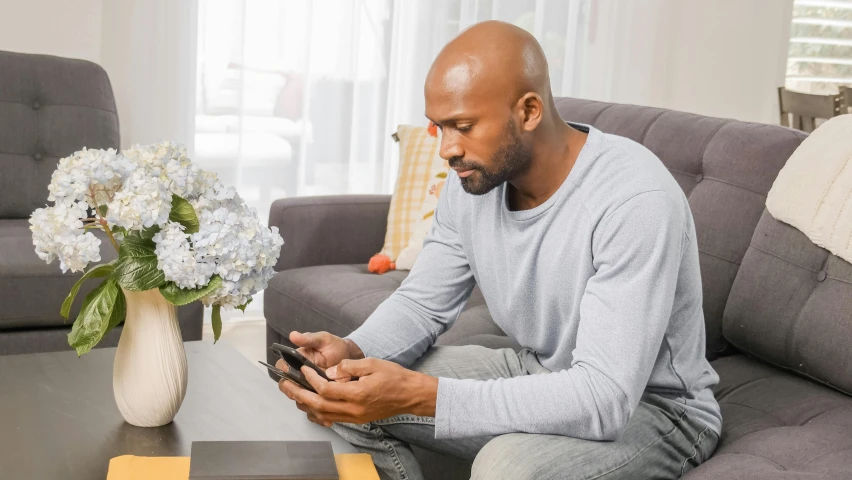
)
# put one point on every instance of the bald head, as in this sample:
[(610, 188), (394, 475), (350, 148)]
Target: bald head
[(492, 59), (489, 92)]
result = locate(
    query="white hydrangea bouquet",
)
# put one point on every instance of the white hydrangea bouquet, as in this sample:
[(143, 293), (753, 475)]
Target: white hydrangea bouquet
[(175, 227)]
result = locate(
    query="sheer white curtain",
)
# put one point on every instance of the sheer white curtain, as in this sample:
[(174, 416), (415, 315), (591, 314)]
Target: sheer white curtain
[(300, 97)]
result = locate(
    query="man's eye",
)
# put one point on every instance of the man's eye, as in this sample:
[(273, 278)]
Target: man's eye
[(465, 128)]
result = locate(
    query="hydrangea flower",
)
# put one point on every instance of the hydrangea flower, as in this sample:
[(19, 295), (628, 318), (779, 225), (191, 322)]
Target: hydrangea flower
[(137, 186), (246, 251), (177, 260), (58, 233), (89, 170), (142, 202)]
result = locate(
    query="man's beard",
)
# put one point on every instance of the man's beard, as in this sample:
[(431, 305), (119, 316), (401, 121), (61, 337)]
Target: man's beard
[(510, 159)]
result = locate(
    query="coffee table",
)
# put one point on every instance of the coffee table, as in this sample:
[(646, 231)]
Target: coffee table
[(58, 417)]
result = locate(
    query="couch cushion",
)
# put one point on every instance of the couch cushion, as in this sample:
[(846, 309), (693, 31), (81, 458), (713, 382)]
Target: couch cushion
[(725, 167), (32, 291), (339, 298), (52, 107), (777, 425), (791, 305)]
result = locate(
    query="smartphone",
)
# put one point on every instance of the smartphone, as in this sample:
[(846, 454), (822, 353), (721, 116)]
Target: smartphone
[(296, 360), (299, 379)]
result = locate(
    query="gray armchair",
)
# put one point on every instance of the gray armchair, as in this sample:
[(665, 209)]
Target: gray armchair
[(49, 108)]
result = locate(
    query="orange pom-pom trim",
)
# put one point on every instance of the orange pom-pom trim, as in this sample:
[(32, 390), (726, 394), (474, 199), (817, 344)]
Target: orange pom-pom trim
[(381, 264), (432, 129)]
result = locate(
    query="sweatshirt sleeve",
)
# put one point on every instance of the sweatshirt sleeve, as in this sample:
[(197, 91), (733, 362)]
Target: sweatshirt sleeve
[(624, 313), (429, 300)]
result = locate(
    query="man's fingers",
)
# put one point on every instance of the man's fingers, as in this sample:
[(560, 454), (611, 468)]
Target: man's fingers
[(310, 399), (335, 374), (282, 365), (326, 389), (354, 368), (314, 379), (327, 392), (287, 387), (314, 419), (309, 339)]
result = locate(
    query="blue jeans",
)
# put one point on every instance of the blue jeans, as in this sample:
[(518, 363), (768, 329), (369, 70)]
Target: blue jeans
[(659, 441)]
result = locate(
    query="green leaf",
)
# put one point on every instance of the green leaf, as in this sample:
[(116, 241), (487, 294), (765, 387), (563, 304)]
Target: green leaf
[(136, 269), (103, 209), (95, 317), (217, 322), (441, 175), (97, 271), (179, 296), (118, 312), (121, 230), (243, 306), (183, 213), (148, 233), (145, 233)]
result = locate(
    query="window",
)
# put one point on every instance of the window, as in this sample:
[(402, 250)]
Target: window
[(820, 55)]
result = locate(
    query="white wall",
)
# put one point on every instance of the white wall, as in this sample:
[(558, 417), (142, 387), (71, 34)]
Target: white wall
[(147, 48), (723, 58), (57, 27), (714, 57)]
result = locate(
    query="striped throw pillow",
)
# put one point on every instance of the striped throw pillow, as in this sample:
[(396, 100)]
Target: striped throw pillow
[(418, 160)]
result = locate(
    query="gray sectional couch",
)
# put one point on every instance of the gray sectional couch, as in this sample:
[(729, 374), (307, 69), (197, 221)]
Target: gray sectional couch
[(778, 309), (49, 108)]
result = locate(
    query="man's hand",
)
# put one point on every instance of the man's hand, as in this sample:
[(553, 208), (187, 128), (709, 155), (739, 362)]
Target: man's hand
[(325, 349), (383, 389)]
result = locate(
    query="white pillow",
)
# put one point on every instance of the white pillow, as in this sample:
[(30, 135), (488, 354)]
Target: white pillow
[(813, 192)]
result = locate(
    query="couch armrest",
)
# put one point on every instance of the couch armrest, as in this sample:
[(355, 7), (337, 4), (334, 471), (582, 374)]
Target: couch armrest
[(332, 230)]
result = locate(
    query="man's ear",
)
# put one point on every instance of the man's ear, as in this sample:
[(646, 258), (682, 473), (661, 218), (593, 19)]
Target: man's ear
[(532, 111)]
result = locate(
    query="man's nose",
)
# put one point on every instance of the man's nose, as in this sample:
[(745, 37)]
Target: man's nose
[(450, 148)]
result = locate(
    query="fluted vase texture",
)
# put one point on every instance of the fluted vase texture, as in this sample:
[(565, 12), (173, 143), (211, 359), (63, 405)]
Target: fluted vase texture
[(149, 374)]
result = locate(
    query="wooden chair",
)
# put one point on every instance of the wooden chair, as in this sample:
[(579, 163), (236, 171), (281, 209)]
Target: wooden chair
[(846, 93), (801, 110)]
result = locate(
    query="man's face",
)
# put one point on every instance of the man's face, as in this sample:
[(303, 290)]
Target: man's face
[(479, 137), (509, 159)]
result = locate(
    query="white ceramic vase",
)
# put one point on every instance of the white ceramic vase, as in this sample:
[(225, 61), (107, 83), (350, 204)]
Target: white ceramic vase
[(149, 374)]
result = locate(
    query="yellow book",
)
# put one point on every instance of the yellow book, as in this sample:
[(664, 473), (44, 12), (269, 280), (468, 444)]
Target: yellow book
[(350, 466), (131, 467)]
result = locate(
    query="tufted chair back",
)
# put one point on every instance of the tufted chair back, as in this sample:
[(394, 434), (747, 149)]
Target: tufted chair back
[(50, 107)]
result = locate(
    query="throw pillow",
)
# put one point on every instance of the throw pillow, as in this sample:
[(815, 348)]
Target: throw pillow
[(813, 192), (409, 254), (418, 160)]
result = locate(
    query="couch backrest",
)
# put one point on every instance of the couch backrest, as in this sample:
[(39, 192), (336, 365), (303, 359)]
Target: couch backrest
[(791, 305), (725, 168), (51, 107)]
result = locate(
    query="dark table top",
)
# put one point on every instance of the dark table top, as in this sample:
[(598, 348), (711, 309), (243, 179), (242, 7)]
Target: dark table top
[(58, 418)]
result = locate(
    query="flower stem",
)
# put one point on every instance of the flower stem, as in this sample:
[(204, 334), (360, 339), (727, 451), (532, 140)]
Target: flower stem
[(109, 234), (102, 220)]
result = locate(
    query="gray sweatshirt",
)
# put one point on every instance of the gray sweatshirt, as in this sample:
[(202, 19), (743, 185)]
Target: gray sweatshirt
[(601, 282)]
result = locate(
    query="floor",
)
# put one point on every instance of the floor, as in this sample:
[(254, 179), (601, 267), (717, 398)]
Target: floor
[(247, 336)]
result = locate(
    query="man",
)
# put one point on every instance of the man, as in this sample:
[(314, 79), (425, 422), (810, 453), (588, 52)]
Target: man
[(584, 248)]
